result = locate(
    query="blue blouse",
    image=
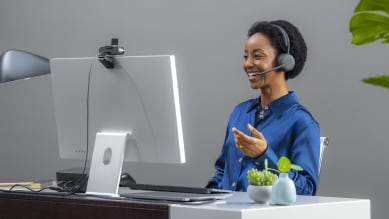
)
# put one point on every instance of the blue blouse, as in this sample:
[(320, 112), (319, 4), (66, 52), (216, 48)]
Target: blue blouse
[(289, 129)]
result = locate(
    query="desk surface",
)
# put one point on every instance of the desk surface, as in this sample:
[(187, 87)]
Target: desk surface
[(238, 206), (31, 206)]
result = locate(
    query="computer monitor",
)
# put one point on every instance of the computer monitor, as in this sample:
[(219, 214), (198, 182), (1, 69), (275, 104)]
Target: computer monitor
[(139, 97)]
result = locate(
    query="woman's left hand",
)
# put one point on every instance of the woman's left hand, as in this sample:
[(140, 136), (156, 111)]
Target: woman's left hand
[(250, 146)]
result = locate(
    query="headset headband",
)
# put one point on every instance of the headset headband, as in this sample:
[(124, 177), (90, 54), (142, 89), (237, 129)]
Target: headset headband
[(284, 35)]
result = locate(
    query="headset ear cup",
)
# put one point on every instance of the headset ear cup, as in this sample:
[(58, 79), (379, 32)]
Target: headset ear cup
[(286, 61)]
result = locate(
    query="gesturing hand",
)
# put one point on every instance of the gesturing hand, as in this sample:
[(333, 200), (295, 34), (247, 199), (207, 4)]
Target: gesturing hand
[(250, 146)]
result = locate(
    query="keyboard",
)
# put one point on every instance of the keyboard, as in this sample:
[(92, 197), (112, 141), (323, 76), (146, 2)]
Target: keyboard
[(183, 189)]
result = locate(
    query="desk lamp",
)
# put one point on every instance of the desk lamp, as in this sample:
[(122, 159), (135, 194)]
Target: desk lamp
[(16, 65)]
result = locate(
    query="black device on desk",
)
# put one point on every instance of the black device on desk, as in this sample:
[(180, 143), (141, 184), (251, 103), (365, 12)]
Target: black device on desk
[(127, 181), (74, 179)]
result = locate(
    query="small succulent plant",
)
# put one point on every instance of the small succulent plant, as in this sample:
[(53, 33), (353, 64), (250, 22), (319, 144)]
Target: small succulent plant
[(261, 178)]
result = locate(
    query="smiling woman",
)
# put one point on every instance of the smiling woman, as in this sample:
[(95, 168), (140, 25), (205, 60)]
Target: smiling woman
[(275, 124)]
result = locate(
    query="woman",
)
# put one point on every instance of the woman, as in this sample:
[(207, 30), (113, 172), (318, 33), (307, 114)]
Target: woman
[(275, 124)]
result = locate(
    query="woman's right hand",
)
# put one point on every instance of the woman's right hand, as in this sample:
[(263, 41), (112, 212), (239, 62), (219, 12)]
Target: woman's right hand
[(252, 146)]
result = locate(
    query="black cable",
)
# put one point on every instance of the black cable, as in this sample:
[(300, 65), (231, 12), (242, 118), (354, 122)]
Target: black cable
[(87, 118), (87, 130), (28, 188), (37, 192), (80, 184)]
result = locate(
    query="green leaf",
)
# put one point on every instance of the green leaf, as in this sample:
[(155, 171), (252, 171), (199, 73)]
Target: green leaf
[(284, 164), (369, 26), (385, 41), (296, 167), (373, 5), (382, 80)]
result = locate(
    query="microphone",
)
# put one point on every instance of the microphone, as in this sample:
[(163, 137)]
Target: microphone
[(267, 71)]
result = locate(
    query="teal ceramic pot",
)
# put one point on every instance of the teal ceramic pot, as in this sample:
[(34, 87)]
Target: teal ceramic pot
[(283, 191)]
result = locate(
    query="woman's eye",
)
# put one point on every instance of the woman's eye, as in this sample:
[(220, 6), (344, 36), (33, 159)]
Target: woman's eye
[(245, 57), (258, 56)]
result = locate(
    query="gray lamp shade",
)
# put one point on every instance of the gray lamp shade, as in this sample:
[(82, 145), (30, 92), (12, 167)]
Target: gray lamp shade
[(16, 64)]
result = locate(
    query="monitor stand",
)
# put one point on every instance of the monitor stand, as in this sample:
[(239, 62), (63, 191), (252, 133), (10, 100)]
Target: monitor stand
[(107, 163)]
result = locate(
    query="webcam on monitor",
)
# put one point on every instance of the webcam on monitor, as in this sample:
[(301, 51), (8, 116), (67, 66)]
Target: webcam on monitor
[(106, 53)]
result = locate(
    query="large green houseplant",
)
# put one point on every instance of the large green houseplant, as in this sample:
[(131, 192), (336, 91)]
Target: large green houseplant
[(370, 23)]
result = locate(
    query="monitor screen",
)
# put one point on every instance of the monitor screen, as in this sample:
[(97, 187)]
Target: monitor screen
[(139, 96)]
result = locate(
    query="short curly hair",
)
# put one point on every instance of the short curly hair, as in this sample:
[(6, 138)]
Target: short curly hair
[(298, 48)]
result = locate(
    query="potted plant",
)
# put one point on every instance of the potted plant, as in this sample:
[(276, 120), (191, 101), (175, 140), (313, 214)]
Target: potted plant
[(260, 184)]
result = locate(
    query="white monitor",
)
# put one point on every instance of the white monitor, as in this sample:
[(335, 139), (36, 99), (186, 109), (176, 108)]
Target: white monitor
[(139, 96)]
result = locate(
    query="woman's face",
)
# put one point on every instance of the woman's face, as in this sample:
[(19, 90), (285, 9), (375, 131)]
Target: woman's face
[(259, 56)]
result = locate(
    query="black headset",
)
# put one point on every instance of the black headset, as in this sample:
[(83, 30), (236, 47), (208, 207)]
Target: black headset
[(285, 61)]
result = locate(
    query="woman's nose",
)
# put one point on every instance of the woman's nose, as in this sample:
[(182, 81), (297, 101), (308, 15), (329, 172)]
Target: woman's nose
[(248, 63)]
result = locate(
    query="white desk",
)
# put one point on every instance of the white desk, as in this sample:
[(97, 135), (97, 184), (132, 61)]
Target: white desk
[(239, 206)]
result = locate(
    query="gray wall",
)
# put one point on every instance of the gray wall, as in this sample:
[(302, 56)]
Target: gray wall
[(207, 38)]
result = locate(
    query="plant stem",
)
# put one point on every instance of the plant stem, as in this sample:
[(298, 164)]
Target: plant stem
[(275, 170)]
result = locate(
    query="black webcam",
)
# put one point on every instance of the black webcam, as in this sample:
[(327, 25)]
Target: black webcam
[(106, 53)]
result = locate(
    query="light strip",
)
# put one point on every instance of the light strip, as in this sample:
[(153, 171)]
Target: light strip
[(177, 107)]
